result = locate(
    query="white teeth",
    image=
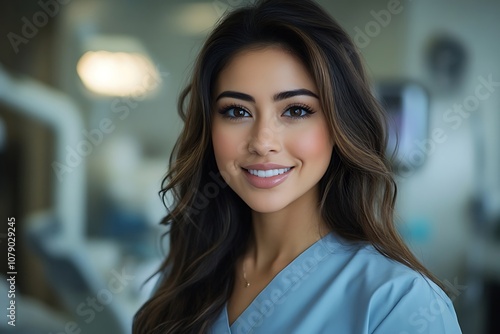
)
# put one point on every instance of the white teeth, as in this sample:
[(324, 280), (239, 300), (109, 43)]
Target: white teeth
[(268, 173)]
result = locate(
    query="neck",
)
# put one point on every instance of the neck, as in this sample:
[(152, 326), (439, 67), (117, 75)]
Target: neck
[(281, 236)]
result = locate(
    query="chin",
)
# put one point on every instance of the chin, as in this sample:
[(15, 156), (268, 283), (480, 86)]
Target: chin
[(264, 205)]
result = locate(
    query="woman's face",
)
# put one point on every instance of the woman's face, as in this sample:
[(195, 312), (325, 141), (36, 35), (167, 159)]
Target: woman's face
[(270, 137)]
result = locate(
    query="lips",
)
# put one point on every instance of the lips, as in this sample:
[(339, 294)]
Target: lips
[(269, 172), (267, 175), (266, 166)]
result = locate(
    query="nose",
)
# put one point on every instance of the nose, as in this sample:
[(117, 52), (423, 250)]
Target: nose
[(264, 139)]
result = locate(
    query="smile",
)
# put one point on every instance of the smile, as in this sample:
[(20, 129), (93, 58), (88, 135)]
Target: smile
[(269, 172), (267, 178)]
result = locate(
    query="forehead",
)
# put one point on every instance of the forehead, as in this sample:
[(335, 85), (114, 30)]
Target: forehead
[(268, 69)]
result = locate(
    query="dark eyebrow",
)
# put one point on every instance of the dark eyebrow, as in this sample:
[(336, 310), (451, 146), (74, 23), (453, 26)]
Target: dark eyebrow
[(236, 95), (292, 93), (276, 97)]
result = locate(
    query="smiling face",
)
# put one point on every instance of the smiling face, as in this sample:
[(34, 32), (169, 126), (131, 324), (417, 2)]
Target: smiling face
[(270, 137)]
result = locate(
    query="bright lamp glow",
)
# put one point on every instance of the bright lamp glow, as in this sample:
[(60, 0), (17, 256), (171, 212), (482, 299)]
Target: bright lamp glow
[(118, 73)]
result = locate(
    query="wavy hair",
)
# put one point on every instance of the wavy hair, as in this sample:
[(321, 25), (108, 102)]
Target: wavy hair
[(209, 225)]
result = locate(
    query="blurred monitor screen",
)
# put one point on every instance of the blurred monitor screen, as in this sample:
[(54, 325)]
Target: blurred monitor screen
[(406, 105)]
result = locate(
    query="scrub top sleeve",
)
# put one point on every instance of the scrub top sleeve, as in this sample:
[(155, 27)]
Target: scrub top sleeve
[(422, 308)]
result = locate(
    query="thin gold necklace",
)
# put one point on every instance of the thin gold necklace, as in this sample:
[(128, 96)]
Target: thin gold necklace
[(247, 283)]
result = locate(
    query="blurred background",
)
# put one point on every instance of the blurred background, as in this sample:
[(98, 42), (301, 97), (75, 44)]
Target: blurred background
[(88, 93)]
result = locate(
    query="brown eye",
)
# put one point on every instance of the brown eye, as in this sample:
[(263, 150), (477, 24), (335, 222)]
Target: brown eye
[(235, 112), (297, 112), (239, 112)]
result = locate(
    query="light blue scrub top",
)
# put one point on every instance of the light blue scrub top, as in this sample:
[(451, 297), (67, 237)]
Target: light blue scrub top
[(340, 287)]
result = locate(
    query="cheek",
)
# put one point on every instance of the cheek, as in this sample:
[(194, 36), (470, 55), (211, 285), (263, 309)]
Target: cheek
[(221, 146), (314, 146), (228, 145)]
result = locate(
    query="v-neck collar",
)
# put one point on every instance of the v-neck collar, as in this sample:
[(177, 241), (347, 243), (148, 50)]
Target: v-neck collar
[(289, 278)]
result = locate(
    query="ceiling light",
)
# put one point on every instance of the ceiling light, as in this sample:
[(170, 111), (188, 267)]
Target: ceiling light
[(106, 71)]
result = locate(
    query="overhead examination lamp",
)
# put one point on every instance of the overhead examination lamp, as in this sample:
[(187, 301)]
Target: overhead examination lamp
[(117, 66)]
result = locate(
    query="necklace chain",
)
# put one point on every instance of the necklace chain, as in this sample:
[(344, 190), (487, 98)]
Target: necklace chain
[(247, 283)]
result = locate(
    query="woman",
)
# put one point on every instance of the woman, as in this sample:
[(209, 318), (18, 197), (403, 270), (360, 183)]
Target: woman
[(282, 219)]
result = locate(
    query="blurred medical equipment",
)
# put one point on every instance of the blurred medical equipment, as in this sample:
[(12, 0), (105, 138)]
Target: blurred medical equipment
[(56, 110), (58, 236), (407, 106)]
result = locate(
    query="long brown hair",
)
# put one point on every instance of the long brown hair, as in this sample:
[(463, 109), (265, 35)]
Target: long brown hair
[(209, 225)]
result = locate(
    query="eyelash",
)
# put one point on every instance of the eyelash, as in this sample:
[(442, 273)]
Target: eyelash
[(309, 111)]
